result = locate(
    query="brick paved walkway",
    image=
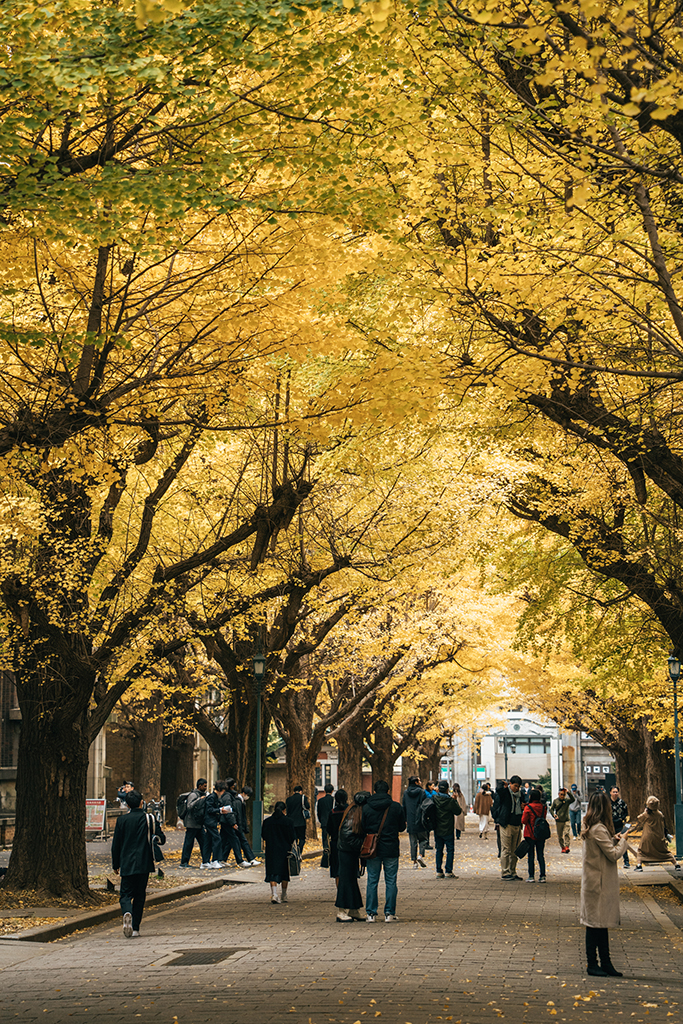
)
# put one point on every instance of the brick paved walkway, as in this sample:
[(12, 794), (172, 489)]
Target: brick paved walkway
[(475, 951)]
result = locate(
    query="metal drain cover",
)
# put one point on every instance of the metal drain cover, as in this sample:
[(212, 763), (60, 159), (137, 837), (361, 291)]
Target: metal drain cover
[(192, 957)]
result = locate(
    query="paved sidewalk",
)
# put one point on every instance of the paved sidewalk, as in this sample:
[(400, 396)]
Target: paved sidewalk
[(473, 951)]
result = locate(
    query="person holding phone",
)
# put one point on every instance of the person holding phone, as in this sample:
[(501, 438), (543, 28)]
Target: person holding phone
[(600, 883)]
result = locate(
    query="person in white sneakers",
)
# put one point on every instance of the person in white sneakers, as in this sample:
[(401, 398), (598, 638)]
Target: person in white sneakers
[(279, 835)]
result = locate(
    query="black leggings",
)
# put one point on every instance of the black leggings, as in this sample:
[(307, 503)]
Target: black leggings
[(537, 847), (597, 942)]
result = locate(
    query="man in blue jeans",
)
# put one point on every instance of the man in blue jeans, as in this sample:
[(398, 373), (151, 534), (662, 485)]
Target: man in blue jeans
[(383, 817), (441, 817)]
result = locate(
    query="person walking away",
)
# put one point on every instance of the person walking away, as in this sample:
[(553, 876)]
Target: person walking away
[(430, 790), (380, 811), (459, 797), (349, 841), (653, 848), (240, 809), (508, 815), (575, 810), (298, 812), (133, 857), (213, 846), (341, 801), (442, 815), (534, 810), (229, 826), (323, 809), (194, 824), (279, 835), (619, 816), (600, 883), (413, 798), (560, 812), (483, 802)]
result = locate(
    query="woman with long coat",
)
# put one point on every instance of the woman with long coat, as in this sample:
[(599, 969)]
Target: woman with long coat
[(600, 883), (483, 802), (349, 841), (278, 834), (341, 800), (653, 848), (459, 820)]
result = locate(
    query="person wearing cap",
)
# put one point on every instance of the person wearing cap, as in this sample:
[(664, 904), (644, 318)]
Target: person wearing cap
[(507, 813), (560, 812), (575, 810)]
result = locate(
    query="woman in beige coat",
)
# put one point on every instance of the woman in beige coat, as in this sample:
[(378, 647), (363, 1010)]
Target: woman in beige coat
[(483, 802), (600, 883), (653, 848)]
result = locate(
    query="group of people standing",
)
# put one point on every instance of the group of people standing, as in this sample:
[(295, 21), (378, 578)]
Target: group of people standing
[(205, 812), (434, 809)]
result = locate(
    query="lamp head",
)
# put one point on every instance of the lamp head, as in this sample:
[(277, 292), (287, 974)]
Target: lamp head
[(674, 667), (259, 666)]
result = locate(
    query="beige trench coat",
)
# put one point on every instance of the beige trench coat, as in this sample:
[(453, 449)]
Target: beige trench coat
[(600, 878), (653, 846)]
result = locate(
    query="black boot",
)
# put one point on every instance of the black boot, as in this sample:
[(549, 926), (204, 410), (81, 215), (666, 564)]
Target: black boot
[(603, 948), (592, 954)]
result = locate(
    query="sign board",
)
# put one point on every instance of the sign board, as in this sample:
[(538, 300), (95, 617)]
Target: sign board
[(480, 772), (95, 814)]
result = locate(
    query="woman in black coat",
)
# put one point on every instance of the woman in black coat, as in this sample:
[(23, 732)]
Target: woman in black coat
[(349, 841), (278, 834), (341, 800)]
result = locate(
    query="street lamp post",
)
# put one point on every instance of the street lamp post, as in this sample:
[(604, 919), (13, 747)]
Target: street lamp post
[(259, 676), (674, 675)]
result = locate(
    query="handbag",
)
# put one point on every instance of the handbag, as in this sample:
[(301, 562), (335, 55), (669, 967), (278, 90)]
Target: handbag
[(325, 859), (294, 861), (304, 810), (369, 848), (523, 849), (153, 839)]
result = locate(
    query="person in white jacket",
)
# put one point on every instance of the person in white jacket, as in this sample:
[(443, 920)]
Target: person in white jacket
[(600, 883)]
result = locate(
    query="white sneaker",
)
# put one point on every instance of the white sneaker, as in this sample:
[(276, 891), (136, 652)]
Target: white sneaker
[(128, 925), (390, 917), (422, 862), (343, 916), (275, 898), (216, 864), (136, 935), (371, 918), (206, 864), (416, 866), (244, 864), (253, 863)]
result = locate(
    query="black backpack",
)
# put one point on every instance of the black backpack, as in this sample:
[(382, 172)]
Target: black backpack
[(181, 805), (541, 827), (427, 814)]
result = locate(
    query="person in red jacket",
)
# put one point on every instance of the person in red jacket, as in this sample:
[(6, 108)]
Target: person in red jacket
[(535, 808)]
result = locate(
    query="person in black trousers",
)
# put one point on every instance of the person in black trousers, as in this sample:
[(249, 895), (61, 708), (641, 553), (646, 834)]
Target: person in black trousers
[(323, 809), (296, 804), (132, 856)]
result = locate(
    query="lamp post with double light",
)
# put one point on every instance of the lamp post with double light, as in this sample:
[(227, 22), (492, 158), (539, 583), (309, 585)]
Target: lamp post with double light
[(259, 676), (674, 663)]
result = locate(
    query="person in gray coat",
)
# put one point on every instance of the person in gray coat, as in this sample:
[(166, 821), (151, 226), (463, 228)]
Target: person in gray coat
[(600, 883), (194, 829)]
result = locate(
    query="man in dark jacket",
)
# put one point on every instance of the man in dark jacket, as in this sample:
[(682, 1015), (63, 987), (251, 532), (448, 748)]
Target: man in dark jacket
[(442, 814), (240, 809), (381, 812), (133, 858), (507, 813), (212, 816), (323, 809), (230, 825), (296, 804), (413, 799), (194, 828)]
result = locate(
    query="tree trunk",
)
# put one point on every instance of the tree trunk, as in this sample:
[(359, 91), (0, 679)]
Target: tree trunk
[(48, 854), (177, 770), (149, 737), (383, 756), (301, 772), (350, 747), (408, 770), (429, 760)]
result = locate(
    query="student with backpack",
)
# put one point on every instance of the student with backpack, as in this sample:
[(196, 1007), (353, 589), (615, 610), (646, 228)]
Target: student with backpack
[(536, 831), (190, 807)]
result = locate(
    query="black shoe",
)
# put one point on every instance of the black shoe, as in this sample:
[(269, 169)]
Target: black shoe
[(596, 972), (611, 970)]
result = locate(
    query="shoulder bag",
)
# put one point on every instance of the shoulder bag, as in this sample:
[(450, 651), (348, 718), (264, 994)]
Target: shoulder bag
[(153, 839), (304, 810), (369, 848), (294, 860)]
